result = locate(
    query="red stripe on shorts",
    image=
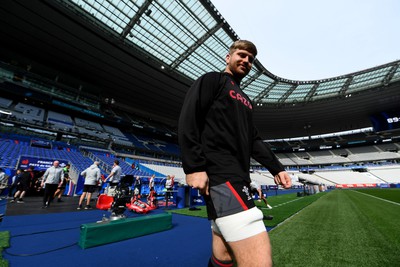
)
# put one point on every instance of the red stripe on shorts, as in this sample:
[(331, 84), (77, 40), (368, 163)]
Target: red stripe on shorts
[(237, 196)]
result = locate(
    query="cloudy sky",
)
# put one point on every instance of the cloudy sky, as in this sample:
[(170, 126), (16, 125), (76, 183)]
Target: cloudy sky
[(314, 39)]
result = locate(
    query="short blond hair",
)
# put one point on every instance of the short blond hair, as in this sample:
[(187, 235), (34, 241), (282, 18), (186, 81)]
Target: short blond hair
[(244, 45)]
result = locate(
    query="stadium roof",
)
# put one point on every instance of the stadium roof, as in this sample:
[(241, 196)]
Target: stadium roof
[(193, 38), (146, 53)]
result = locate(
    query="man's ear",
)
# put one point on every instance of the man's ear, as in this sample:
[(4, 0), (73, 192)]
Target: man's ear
[(227, 58)]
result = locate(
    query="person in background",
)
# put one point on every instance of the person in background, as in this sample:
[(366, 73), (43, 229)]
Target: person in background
[(92, 177), (14, 182), (168, 186), (152, 197), (60, 189), (217, 138), (3, 181), (24, 184), (52, 179), (2, 174), (151, 183), (256, 189), (115, 175), (137, 186)]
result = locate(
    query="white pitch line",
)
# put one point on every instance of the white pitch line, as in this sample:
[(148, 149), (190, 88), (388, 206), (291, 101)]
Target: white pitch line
[(377, 197), (284, 203), (290, 217)]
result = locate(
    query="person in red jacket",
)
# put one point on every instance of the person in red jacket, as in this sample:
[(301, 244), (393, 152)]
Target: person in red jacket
[(217, 137)]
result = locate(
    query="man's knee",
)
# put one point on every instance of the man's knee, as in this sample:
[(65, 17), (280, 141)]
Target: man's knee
[(220, 248)]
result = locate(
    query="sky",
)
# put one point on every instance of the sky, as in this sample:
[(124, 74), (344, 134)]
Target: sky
[(317, 39)]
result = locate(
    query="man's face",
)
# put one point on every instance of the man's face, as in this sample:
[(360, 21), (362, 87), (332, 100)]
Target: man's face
[(56, 163), (239, 63)]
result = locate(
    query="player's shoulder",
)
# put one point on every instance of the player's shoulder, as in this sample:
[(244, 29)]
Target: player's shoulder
[(213, 75)]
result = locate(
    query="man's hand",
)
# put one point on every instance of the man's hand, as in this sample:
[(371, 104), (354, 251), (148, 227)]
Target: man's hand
[(283, 178), (198, 180)]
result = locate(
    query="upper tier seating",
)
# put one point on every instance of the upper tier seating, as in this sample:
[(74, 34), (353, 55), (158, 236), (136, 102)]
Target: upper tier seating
[(59, 121), (5, 103), (88, 124), (28, 113)]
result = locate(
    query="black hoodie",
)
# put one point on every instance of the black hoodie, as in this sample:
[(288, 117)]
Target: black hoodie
[(216, 131)]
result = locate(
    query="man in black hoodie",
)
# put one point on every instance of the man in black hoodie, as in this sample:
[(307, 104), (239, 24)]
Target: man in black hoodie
[(217, 138)]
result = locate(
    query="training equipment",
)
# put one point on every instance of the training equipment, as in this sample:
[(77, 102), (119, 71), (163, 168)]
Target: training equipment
[(138, 206), (108, 231)]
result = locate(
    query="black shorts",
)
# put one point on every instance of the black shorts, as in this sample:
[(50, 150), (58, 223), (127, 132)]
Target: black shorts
[(23, 187), (254, 191), (228, 198), (63, 185), (88, 188)]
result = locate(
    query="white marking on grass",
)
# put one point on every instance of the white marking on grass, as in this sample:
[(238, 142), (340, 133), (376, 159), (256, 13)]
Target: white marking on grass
[(377, 197), (290, 217), (284, 203), (284, 221)]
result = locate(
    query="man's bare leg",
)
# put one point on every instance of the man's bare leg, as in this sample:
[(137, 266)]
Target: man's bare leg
[(221, 253), (82, 198), (88, 197), (220, 248), (254, 251)]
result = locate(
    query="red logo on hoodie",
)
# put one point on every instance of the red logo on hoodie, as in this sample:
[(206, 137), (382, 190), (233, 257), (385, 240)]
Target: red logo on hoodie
[(240, 98)]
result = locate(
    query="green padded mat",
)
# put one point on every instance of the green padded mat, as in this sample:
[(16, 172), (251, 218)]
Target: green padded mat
[(96, 234)]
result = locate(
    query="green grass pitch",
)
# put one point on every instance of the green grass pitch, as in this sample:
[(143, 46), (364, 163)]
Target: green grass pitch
[(337, 228)]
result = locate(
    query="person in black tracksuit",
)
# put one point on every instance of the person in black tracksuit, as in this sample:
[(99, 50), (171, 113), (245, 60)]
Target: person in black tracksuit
[(15, 180), (24, 184), (217, 138)]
